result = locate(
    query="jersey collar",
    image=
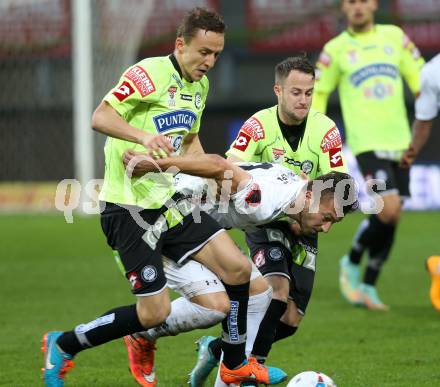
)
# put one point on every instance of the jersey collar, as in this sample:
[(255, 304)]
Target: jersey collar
[(175, 64)]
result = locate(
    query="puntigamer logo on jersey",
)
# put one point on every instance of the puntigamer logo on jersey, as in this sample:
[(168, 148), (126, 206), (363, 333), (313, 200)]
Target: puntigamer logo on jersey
[(373, 70), (179, 119)]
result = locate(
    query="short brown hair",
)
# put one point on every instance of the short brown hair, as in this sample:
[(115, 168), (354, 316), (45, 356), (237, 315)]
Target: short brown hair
[(299, 63), (200, 19)]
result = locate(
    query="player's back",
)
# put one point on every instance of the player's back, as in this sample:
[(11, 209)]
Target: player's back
[(264, 198)]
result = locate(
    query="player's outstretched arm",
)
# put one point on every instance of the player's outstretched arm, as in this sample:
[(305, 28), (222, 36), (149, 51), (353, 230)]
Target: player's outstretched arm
[(106, 120), (204, 165)]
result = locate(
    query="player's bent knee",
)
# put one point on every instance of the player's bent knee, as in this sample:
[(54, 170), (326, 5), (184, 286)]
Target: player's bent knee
[(153, 313), (214, 301), (239, 274)]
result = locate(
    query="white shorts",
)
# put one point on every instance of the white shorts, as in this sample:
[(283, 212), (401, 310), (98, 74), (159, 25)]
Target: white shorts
[(194, 279)]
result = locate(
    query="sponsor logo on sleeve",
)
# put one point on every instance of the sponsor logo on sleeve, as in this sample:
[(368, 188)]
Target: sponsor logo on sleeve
[(178, 119), (325, 59), (335, 156), (134, 280), (254, 129), (259, 259), (332, 139), (242, 141), (123, 91), (141, 80)]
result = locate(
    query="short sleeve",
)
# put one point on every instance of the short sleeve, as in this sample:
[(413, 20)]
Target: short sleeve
[(135, 85)]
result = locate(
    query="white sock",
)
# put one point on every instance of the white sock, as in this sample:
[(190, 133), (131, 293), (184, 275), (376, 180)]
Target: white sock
[(257, 307), (185, 316)]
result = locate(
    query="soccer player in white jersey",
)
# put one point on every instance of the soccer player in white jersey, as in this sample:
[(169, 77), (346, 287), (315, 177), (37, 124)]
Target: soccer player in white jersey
[(259, 193), (427, 108)]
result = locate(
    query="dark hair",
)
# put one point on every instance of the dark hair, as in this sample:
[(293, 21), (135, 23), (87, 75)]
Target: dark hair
[(299, 63), (343, 189), (200, 19)]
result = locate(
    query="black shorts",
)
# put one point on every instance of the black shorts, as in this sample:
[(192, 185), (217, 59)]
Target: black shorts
[(395, 177), (140, 247), (276, 251)]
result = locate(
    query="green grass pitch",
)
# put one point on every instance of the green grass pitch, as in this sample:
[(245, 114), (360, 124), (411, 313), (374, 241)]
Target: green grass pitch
[(55, 275)]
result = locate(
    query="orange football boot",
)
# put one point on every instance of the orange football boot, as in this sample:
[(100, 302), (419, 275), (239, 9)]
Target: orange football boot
[(252, 371), (433, 266), (141, 360)]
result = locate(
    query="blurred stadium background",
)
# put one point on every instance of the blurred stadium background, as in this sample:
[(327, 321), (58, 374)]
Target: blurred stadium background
[(43, 142)]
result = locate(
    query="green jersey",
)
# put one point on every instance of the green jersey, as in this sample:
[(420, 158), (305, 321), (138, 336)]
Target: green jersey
[(368, 68), (318, 150), (152, 96)]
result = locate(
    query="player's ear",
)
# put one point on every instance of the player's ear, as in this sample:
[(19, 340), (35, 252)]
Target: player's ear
[(309, 195), (180, 43), (277, 89)]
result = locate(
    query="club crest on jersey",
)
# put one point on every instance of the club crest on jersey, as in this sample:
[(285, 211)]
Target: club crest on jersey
[(198, 100), (141, 80), (253, 128), (335, 155), (123, 91), (242, 141), (332, 139), (278, 155), (171, 94), (176, 142), (149, 273), (307, 167), (178, 119)]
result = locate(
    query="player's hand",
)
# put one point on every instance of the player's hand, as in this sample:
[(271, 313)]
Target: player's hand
[(157, 145), (408, 157), (138, 163)]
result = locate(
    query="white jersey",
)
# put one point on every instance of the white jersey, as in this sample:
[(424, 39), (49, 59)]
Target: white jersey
[(428, 102), (265, 198)]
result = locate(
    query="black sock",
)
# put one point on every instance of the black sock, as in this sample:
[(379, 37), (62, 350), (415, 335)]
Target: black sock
[(215, 346), (112, 325), (266, 331), (379, 250), (360, 242), (283, 331), (234, 326)]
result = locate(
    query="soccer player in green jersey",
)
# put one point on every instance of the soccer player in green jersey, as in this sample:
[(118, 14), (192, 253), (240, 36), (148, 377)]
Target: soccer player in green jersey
[(367, 62), (157, 105)]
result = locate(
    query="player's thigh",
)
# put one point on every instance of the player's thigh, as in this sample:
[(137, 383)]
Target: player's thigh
[(302, 271), (197, 283), (376, 168), (223, 257)]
